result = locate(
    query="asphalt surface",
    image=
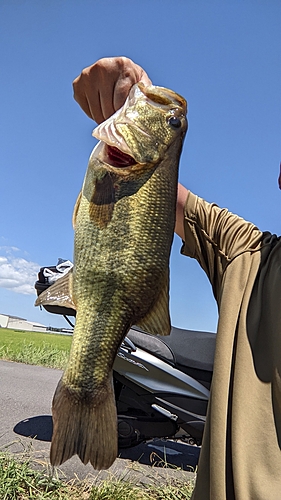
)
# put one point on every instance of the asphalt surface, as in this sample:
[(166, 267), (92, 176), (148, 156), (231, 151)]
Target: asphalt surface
[(26, 427)]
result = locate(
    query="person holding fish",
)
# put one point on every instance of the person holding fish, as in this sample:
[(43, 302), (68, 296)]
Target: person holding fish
[(241, 452)]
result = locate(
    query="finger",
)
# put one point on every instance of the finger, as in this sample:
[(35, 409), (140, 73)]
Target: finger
[(81, 98), (89, 100), (132, 75), (121, 92), (145, 78), (106, 107)]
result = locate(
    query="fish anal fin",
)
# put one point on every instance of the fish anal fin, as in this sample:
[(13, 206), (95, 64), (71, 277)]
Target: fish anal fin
[(102, 202), (58, 294), (157, 321), (84, 427), (75, 210)]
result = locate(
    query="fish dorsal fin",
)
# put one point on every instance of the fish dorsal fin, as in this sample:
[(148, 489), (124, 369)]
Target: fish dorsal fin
[(58, 294), (157, 320), (75, 210)]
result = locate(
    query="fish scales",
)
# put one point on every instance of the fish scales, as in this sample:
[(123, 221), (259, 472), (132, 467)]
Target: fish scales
[(130, 261), (124, 223)]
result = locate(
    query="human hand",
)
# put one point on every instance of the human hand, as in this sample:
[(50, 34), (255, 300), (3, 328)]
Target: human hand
[(102, 88)]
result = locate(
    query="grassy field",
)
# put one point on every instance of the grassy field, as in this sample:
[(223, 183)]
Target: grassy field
[(34, 348)]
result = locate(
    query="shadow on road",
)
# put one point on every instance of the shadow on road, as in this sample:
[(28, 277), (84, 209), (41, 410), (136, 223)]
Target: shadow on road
[(164, 453), (40, 427), (157, 452)]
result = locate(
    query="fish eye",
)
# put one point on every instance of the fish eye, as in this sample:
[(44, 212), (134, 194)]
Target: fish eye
[(174, 122)]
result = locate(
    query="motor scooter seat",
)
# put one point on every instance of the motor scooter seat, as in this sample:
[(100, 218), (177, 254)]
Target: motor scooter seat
[(189, 348), (195, 349)]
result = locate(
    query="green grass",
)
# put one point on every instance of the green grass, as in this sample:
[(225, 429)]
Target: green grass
[(34, 348), (121, 490), (19, 481)]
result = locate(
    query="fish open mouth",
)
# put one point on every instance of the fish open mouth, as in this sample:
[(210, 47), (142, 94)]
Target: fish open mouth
[(116, 158)]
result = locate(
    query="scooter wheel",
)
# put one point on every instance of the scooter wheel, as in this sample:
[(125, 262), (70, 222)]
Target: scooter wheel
[(127, 435)]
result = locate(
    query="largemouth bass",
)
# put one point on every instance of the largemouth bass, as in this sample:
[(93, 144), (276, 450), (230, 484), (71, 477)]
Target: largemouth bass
[(124, 224)]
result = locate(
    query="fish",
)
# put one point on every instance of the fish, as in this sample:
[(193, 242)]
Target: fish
[(124, 222)]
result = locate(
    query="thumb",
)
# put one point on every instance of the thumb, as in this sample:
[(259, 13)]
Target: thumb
[(145, 79)]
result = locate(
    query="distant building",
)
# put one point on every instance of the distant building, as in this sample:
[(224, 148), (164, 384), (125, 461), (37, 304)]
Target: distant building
[(16, 323)]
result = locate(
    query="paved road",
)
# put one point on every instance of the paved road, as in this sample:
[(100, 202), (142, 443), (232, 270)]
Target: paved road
[(25, 410)]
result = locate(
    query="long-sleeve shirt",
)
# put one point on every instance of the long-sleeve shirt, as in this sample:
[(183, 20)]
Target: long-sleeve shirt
[(241, 451)]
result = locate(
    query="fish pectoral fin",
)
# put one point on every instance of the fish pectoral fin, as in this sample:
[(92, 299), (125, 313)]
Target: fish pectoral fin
[(58, 294), (76, 208), (157, 321), (84, 426)]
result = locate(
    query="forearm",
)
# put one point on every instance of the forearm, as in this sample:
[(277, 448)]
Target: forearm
[(181, 199)]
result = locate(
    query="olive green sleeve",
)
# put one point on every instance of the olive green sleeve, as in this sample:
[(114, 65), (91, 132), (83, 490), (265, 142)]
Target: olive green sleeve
[(214, 236)]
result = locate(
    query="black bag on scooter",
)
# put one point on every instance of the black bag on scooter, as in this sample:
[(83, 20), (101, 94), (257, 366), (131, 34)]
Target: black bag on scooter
[(46, 277)]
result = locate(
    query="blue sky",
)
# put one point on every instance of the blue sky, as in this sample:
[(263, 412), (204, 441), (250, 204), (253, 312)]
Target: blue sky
[(223, 56)]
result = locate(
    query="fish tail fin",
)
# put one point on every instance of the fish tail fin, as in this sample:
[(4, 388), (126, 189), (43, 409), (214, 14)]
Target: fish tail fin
[(88, 430)]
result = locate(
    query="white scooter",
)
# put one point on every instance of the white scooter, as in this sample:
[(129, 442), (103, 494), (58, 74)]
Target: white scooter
[(161, 383)]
